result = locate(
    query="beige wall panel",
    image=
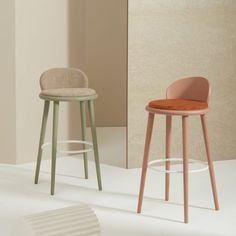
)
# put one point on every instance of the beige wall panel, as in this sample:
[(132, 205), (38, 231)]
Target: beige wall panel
[(106, 58), (174, 39), (7, 68)]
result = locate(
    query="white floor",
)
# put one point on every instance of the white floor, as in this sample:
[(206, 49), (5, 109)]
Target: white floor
[(115, 206)]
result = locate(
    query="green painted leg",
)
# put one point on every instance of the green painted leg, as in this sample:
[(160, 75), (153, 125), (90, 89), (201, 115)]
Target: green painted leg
[(95, 145), (41, 140), (83, 129), (54, 144)]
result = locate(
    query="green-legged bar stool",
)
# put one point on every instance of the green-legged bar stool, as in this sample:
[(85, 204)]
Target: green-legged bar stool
[(65, 85)]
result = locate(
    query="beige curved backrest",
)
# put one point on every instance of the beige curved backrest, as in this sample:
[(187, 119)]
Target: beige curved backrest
[(63, 78), (192, 88)]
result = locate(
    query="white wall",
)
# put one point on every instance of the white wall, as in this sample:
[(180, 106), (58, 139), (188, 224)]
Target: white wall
[(7, 68), (41, 43)]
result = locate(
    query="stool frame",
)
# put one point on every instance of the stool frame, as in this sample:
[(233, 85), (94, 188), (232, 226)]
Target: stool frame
[(83, 100), (185, 118)]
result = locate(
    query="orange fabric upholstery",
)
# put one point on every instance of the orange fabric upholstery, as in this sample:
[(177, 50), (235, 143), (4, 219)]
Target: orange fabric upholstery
[(178, 104)]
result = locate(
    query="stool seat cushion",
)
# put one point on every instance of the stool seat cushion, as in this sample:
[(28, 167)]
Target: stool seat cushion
[(68, 92), (178, 104)]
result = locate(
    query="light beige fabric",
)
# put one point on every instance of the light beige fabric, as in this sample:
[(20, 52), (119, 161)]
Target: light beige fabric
[(79, 220), (58, 78), (68, 92)]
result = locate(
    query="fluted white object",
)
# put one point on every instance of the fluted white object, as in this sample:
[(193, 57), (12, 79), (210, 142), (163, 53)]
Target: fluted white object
[(70, 221)]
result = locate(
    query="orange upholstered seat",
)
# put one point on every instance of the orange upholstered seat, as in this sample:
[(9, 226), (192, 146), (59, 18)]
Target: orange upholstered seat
[(178, 104)]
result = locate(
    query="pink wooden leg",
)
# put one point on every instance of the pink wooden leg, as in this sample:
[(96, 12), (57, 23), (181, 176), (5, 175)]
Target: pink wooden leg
[(185, 165), (168, 136), (209, 158), (145, 159)]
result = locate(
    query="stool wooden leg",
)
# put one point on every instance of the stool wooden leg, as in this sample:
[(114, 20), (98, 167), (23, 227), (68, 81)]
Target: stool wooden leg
[(185, 165), (209, 158), (95, 144), (54, 144), (145, 159), (41, 140), (83, 130), (168, 137)]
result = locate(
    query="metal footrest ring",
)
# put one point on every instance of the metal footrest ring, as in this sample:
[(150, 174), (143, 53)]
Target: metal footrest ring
[(152, 165), (45, 145)]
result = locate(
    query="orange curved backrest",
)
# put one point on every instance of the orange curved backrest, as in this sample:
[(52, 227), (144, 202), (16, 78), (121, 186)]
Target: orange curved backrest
[(192, 88)]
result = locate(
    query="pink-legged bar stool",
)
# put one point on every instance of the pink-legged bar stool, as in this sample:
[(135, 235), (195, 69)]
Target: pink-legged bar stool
[(185, 97)]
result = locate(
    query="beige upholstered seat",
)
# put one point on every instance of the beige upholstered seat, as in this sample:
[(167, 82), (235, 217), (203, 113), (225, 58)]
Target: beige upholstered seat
[(68, 92)]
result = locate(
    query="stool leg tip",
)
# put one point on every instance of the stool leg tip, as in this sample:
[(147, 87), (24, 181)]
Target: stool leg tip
[(186, 219)]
